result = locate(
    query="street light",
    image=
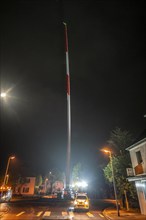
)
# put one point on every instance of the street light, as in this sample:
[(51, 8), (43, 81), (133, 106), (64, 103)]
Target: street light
[(3, 94), (113, 177), (6, 173)]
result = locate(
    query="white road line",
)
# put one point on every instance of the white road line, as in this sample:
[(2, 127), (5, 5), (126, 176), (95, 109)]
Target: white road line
[(64, 214), (89, 214), (47, 213), (21, 213), (101, 215), (39, 213), (71, 214)]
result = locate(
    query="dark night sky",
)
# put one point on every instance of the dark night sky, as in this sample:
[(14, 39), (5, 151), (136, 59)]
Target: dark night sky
[(107, 48)]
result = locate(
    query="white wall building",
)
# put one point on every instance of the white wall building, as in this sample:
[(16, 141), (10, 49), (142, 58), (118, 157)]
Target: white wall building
[(26, 188), (138, 158)]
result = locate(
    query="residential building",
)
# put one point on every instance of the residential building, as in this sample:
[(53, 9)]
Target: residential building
[(138, 158), (26, 188)]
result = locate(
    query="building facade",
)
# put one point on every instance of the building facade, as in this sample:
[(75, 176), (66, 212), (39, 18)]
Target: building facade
[(27, 188), (138, 158)]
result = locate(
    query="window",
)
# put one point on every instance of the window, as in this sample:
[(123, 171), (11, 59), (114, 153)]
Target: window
[(25, 189), (81, 197), (139, 157), (27, 180)]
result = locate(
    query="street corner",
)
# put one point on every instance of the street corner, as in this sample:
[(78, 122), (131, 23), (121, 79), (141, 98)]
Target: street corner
[(111, 214)]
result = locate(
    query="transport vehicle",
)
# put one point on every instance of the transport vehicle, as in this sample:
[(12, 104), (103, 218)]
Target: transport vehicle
[(5, 194), (81, 202)]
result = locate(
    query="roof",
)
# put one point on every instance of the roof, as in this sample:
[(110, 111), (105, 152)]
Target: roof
[(140, 139), (81, 194)]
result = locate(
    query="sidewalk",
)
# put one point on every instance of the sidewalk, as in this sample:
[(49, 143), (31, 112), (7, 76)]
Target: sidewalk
[(111, 214)]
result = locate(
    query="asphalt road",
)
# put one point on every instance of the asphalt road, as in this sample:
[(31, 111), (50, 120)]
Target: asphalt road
[(40, 209)]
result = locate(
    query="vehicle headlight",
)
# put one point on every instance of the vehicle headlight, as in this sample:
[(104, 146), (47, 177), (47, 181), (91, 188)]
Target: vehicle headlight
[(75, 202), (86, 202)]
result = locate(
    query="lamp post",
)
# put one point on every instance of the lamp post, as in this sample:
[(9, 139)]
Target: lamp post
[(113, 177), (6, 173)]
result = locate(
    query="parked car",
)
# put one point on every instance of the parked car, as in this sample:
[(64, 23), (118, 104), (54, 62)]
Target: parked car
[(5, 194)]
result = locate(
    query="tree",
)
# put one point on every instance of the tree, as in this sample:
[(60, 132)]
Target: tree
[(55, 175), (119, 140), (38, 183), (76, 173), (120, 163), (52, 176)]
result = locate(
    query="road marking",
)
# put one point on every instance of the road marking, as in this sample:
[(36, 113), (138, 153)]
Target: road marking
[(101, 215), (39, 213), (71, 214), (64, 214), (47, 213), (89, 214), (21, 213)]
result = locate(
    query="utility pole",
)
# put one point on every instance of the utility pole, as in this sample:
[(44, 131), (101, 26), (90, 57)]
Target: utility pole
[(113, 178)]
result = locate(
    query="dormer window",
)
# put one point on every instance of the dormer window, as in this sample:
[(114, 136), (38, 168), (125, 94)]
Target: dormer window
[(139, 157)]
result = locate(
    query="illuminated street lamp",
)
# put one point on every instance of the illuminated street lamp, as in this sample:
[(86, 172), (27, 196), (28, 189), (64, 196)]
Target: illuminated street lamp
[(3, 94), (113, 177), (6, 173)]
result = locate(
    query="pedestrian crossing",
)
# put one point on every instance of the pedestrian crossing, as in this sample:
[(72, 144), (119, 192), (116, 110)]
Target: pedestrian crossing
[(63, 214), (39, 214), (21, 213)]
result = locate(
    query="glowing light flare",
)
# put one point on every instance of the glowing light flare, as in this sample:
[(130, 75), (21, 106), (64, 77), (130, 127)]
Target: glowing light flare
[(3, 94), (107, 151), (6, 93), (80, 184), (12, 157), (75, 202), (86, 202), (140, 184)]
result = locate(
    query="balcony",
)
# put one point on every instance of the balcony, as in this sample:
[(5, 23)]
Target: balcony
[(138, 169)]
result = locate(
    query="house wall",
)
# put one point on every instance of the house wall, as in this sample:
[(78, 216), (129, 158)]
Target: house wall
[(139, 169), (28, 188), (142, 148), (141, 192)]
